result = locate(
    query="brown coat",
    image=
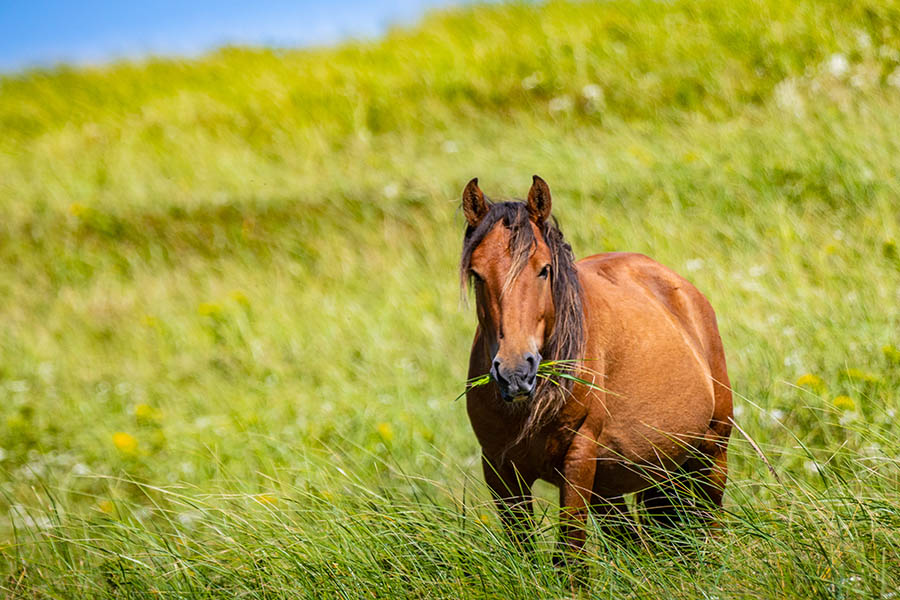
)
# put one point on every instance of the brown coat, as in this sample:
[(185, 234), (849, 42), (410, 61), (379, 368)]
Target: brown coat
[(660, 399)]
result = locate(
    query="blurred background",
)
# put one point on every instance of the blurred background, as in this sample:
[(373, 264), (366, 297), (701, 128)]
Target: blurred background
[(230, 319)]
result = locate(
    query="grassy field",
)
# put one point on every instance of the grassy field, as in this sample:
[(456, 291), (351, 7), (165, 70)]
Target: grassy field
[(231, 332)]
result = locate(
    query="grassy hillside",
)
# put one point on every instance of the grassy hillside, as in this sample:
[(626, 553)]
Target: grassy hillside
[(230, 327)]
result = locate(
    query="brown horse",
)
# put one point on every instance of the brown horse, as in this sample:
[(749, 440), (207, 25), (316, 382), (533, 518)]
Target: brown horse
[(646, 407)]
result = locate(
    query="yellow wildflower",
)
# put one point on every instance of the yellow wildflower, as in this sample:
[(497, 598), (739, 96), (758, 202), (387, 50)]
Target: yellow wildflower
[(106, 506), (891, 353), (239, 297), (266, 499), (844, 403), (810, 381), (145, 412), (209, 309), (428, 435), (641, 154), (14, 422), (125, 442), (385, 431), (76, 209), (150, 321)]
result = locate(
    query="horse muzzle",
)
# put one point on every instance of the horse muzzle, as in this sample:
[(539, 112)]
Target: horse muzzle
[(516, 382)]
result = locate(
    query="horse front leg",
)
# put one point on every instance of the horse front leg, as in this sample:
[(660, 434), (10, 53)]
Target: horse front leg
[(512, 495), (575, 491)]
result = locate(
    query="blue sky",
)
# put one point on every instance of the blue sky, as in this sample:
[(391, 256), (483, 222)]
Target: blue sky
[(42, 32)]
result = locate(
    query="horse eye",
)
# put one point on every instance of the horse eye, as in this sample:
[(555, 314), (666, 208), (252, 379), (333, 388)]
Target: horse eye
[(545, 272)]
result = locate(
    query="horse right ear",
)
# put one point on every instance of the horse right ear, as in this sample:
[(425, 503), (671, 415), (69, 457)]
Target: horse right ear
[(473, 203)]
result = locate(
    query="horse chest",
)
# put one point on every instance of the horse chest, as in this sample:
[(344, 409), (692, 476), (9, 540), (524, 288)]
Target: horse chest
[(540, 455)]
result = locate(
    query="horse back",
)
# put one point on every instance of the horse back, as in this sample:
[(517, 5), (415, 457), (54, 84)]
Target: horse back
[(670, 290)]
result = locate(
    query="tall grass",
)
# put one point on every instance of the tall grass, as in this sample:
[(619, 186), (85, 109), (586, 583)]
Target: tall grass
[(230, 329)]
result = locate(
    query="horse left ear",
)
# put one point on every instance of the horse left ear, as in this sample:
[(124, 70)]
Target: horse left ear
[(473, 203), (539, 200)]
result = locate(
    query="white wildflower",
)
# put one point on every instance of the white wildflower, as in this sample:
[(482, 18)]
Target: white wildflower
[(560, 104), (533, 80), (757, 270), (45, 371), (838, 65), (889, 53), (142, 514), (593, 96), (848, 417), (788, 97), (189, 517), (794, 360), (873, 449), (449, 147), (694, 264), (752, 286), (18, 386), (592, 91), (894, 78), (20, 516), (391, 191)]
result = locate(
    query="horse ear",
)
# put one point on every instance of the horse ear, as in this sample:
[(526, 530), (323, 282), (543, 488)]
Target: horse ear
[(474, 204), (539, 200)]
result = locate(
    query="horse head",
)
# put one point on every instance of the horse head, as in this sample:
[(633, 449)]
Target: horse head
[(514, 270)]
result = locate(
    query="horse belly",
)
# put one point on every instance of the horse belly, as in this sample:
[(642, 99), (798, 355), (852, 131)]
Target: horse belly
[(654, 422)]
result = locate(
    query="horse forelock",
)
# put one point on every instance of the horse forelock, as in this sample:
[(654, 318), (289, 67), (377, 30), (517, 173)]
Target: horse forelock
[(514, 217), (567, 339)]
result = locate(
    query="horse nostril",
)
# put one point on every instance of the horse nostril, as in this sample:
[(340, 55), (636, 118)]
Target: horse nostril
[(532, 361), (495, 371)]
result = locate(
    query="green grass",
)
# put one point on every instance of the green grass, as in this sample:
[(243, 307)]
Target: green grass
[(246, 264)]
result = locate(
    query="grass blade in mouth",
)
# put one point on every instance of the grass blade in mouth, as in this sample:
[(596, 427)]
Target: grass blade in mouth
[(548, 369)]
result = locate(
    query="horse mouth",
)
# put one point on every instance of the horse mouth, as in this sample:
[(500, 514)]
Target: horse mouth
[(518, 398)]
